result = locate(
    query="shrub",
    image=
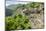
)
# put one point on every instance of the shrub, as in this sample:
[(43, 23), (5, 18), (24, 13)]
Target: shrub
[(35, 5), (17, 22)]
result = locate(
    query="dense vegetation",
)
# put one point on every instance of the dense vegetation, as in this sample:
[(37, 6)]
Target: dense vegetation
[(17, 22)]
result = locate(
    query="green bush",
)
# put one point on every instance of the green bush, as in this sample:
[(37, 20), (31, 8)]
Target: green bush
[(34, 5), (17, 22)]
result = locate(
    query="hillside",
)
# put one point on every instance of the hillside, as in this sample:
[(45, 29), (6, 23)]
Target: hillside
[(34, 11)]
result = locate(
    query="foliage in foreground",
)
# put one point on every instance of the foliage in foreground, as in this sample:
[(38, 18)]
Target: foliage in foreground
[(17, 22)]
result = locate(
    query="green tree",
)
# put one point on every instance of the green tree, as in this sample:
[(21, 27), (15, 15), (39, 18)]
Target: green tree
[(17, 22)]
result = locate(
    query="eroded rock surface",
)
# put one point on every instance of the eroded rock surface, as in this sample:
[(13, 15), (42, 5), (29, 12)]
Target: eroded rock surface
[(36, 16)]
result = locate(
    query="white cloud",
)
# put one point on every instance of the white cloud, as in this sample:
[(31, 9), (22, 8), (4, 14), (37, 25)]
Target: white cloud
[(7, 4), (14, 2)]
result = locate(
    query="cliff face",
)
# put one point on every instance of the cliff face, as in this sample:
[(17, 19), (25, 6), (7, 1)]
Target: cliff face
[(36, 15)]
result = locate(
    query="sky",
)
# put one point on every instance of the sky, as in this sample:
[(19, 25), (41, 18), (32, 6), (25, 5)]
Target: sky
[(9, 2)]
